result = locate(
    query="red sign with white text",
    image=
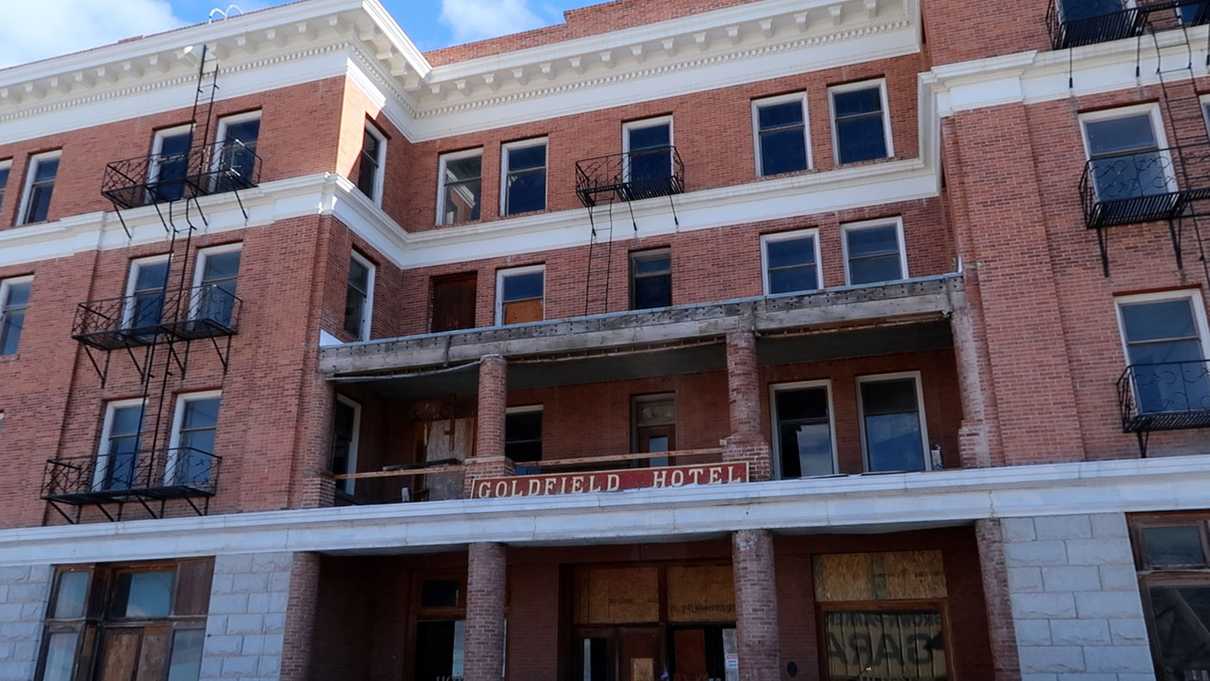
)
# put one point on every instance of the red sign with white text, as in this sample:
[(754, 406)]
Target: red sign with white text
[(610, 481)]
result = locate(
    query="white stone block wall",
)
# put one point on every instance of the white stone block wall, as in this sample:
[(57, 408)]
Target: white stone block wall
[(247, 617), (24, 592), (1075, 599)]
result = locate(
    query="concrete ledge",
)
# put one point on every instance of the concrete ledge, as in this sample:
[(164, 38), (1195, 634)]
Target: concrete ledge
[(926, 297)]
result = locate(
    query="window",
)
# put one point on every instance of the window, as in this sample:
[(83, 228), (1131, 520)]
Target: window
[(523, 437), (14, 301), (650, 279), (169, 167), (892, 423), (195, 425), (440, 629), (214, 281), (782, 141), (1126, 151), (861, 126), (359, 297), (346, 428), (874, 252), (903, 643), (118, 456), (235, 158), (39, 186), (648, 147), (5, 168), (523, 179), (1167, 345), (454, 301), (1076, 10), (654, 419), (791, 261), (1173, 560), (1173, 546), (802, 435), (459, 187), (144, 308), (373, 163), (520, 295)]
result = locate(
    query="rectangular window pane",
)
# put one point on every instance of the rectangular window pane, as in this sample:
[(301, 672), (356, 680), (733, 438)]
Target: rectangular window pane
[(649, 164), (783, 146), (440, 593), (12, 316), (1167, 356), (146, 305), (525, 180), (215, 300), (860, 125), (894, 440), (1074, 10), (462, 189), (60, 656), (1162, 320), (367, 176), (1125, 160), (42, 187), (70, 598), (523, 436), (1173, 546), (199, 423), (651, 280), (440, 650), (4, 172), (873, 254), (791, 264), (344, 431), (523, 286), (1182, 618), (185, 664), (357, 297), (905, 646), (804, 432), (143, 594)]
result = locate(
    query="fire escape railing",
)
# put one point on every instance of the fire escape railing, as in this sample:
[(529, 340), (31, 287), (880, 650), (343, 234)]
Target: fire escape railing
[(1127, 22), (1164, 396), (630, 176), (1137, 187), (202, 170), (145, 476), (207, 311)]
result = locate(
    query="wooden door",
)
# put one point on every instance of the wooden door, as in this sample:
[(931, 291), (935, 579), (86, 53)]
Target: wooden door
[(689, 653), (454, 302), (639, 655), (120, 654)]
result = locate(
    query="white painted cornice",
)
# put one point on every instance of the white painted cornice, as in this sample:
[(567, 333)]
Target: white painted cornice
[(856, 503)]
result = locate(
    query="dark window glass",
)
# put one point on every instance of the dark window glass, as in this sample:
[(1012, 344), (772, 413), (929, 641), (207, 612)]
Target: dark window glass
[(804, 432), (523, 437), (70, 598), (4, 171), (171, 166), (1074, 10), (860, 125), (525, 180), (142, 594), (12, 315), (238, 153), (1166, 352), (1173, 546), (194, 458), (650, 161), (42, 186), (594, 663), (894, 440), (344, 438), (357, 299), (462, 189), (791, 264), (1182, 617), (121, 449), (651, 280), (440, 650), (440, 593), (371, 157), (873, 254), (185, 662), (521, 297), (145, 306), (215, 298), (1125, 156), (782, 133)]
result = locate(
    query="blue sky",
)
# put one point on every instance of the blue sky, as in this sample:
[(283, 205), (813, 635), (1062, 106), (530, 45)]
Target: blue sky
[(37, 29)]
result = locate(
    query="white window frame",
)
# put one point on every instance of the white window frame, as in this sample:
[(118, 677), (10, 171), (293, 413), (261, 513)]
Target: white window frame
[(441, 164), (6, 164), (757, 104), (367, 315), (132, 275), (826, 384), (886, 114), (926, 446), (1157, 128), (354, 442), (178, 420), (27, 186), (98, 474), (775, 237), (1194, 296), (6, 284), (199, 269), (220, 136), (157, 147), (642, 124), (381, 172), (512, 271), (897, 221), (505, 149)]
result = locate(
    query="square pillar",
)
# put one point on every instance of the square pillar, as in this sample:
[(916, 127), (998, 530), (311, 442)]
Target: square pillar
[(746, 442), (486, 571), (488, 459), (1001, 630), (756, 605)]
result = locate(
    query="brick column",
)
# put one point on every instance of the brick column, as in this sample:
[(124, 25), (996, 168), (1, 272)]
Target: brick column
[(1001, 631), (756, 605), (746, 442), (979, 443), (300, 617), (485, 585), (488, 459)]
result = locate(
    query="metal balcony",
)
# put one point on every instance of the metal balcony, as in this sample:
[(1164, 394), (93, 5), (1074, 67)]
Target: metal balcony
[(1164, 396), (1138, 187), (1109, 20), (206, 169), (630, 176), (146, 477), (208, 311)]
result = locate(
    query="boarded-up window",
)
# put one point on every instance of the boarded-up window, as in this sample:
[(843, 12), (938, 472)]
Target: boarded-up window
[(521, 294), (621, 595), (893, 575), (885, 645), (454, 302), (701, 593)]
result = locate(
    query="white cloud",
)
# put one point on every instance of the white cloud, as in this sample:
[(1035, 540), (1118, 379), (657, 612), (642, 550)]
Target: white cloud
[(37, 29), (478, 19)]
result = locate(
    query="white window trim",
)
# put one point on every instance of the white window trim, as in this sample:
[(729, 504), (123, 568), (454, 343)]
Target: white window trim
[(775, 388), (1194, 297), (886, 114), (178, 420), (354, 442), (221, 136), (1157, 127), (643, 124), (441, 163), (513, 271), (757, 104), (30, 169), (132, 275), (98, 474), (6, 164), (868, 224), (199, 269), (157, 147), (5, 285), (381, 172), (766, 239), (505, 149), (367, 315), (926, 447)]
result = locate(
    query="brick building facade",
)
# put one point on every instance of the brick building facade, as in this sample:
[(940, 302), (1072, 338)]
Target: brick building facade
[(707, 339)]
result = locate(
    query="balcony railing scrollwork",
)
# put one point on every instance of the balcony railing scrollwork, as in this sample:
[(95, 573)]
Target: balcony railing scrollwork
[(1164, 396), (630, 176), (1088, 22), (202, 170), (207, 311)]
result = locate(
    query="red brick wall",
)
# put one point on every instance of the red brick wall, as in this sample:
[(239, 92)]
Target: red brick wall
[(956, 31)]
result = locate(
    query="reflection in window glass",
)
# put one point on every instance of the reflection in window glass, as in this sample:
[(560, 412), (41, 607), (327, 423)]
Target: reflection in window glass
[(873, 254), (1182, 618), (73, 589), (906, 646), (791, 264), (462, 189), (13, 304), (1173, 546), (860, 128), (1166, 352), (894, 440), (60, 656), (186, 661), (143, 594), (525, 179), (804, 432), (521, 297), (1126, 161), (782, 133)]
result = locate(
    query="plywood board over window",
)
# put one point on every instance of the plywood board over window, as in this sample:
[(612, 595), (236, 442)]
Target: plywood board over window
[(618, 595), (892, 575), (701, 593)]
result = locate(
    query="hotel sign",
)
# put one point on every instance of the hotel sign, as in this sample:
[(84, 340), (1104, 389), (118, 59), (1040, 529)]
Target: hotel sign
[(610, 481)]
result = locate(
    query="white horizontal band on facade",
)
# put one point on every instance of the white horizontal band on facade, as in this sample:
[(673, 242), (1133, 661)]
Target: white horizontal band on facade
[(858, 503)]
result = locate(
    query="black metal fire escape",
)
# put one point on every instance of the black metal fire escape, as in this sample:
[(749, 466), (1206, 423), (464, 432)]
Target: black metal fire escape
[(157, 331)]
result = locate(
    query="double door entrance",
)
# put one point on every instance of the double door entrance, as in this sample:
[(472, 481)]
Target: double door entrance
[(647, 653)]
